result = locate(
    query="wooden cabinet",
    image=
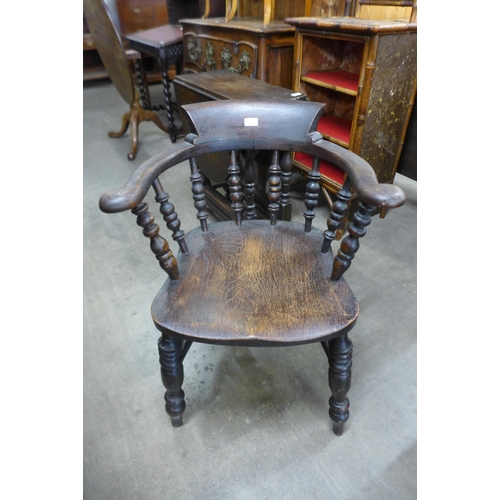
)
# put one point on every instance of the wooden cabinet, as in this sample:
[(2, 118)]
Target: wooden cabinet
[(251, 40), (243, 45), (366, 72)]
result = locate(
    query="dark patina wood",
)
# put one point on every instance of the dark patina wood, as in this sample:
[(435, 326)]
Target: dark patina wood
[(227, 276), (365, 70), (224, 85), (117, 62), (164, 43), (244, 45), (255, 282)]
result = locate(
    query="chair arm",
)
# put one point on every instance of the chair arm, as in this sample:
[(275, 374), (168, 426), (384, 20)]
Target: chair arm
[(138, 184), (361, 174), (260, 125)]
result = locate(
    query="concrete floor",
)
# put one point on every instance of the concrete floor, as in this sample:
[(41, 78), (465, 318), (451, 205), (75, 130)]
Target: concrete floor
[(256, 424)]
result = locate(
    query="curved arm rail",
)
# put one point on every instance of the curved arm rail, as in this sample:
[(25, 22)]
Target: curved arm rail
[(262, 125)]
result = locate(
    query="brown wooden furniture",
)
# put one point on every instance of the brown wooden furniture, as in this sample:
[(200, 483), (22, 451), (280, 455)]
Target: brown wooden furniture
[(366, 72), (117, 63), (244, 46), (93, 69), (128, 16), (164, 43), (251, 40), (221, 85), (253, 282)]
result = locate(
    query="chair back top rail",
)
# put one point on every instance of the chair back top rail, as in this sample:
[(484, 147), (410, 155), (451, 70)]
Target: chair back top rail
[(260, 125)]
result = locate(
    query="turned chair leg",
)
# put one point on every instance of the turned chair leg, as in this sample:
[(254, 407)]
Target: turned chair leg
[(172, 376), (339, 378)]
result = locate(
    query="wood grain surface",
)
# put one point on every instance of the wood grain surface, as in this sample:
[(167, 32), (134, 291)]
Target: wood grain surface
[(255, 284)]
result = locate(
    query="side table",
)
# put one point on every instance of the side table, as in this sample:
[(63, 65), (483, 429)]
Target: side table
[(165, 44)]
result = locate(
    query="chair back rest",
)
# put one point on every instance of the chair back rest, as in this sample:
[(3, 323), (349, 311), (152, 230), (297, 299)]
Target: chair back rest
[(241, 128), (110, 47)]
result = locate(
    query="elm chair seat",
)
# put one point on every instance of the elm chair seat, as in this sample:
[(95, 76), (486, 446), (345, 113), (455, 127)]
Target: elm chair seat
[(243, 303), (248, 281)]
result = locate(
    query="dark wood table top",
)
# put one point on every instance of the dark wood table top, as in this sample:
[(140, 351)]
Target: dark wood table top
[(228, 85), (161, 36)]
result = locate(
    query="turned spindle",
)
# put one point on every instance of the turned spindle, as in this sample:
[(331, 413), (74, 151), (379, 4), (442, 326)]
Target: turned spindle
[(337, 215), (312, 194), (274, 188), (286, 178), (170, 215), (235, 192), (159, 245), (249, 175), (350, 243), (198, 191)]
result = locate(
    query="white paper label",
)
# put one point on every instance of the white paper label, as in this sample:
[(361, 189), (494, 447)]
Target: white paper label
[(251, 122)]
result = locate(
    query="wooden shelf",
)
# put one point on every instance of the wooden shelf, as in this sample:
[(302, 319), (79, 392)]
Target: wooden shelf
[(331, 174), (365, 72), (335, 129), (340, 80)]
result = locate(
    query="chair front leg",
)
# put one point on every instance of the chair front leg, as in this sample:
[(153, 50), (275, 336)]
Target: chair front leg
[(339, 354), (172, 376)]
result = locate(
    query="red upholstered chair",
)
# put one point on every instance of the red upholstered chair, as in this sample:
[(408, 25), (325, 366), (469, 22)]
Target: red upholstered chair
[(249, 281)]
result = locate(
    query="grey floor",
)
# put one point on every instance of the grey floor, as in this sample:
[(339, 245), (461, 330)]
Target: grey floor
[(256, 424)]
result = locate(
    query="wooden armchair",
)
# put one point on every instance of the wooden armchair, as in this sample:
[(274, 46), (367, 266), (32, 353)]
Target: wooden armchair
[(252, 282), (117, 61)]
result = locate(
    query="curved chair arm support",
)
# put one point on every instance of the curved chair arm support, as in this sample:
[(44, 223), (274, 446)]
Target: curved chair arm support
[(362, 175), (261, 125), (138, 184)]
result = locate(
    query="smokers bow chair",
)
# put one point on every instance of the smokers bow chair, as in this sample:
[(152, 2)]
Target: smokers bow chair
[(251, 282)]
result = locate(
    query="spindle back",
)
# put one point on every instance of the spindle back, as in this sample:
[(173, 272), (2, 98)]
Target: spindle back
[(241, 128)]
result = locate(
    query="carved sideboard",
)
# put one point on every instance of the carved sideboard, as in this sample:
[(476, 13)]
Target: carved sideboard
[(245, 46)]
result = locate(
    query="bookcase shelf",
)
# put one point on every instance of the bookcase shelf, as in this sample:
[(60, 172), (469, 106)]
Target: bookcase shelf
[(365, 72), (339, 80)]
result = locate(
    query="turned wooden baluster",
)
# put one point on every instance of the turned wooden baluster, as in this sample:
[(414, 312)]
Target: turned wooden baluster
[(170, 215), (274, 188), (235, 193), (312, 194), (249, 176), (168, 104), (349, 8), (337, 216), (172, 376), (286, 178), (198, 194), (350, 243), (159, 245), (146, 104), (339, 352)]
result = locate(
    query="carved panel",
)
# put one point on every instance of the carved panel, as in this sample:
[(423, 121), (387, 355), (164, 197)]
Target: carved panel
[(209, 53)]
